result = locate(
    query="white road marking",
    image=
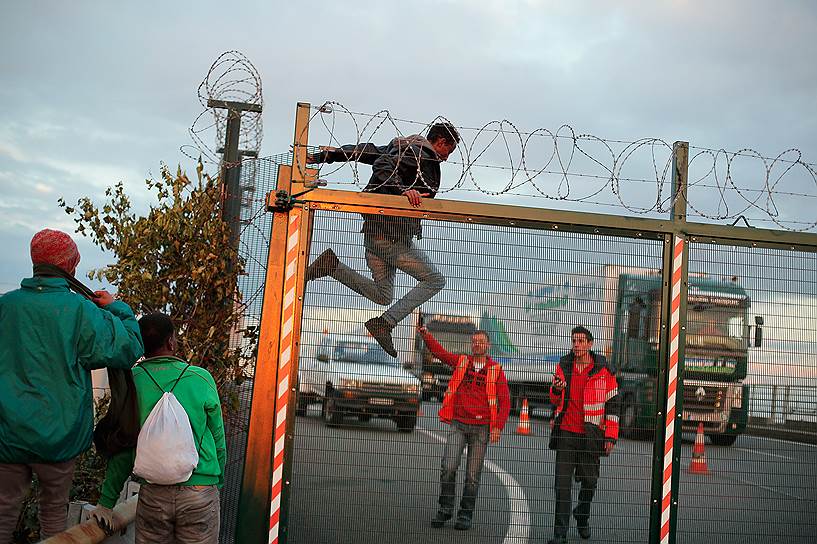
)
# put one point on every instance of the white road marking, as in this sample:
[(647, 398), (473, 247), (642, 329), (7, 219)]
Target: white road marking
[(763, 453), (787, 442), (769, 489), (519, 522)]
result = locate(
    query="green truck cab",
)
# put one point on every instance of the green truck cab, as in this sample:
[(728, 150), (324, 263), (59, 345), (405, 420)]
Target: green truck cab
[(715, 359)]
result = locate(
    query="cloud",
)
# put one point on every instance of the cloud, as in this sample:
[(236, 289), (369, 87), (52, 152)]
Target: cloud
[(12, 151)]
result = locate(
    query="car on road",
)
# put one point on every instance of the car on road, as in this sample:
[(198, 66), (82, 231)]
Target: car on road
[(351, 376)]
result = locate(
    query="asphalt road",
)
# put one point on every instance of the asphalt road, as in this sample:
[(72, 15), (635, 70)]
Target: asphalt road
[(368, 483)]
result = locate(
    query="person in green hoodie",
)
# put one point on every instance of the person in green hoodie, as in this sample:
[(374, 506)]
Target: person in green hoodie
[(187, 512), (53, 332)]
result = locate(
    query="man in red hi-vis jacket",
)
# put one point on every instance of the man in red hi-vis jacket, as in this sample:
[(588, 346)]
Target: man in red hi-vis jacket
[(476, 406), (585, 427)]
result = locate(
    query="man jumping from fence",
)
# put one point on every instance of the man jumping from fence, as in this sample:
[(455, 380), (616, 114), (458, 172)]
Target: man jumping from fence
[(408, 166), (476, 405), (585, 427)]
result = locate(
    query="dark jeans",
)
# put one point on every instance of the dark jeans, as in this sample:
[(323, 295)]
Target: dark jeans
[(573, 455), (476, 438)]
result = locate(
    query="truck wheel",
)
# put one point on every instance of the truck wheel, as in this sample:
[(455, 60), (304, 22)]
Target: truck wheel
[(723, 439), (406, 422), (516, 402), (331, 415), (629, 422), (628, 418), (301, 403)]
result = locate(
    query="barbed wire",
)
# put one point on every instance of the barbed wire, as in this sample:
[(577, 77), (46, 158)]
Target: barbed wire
[(565, 165), (232, 77)]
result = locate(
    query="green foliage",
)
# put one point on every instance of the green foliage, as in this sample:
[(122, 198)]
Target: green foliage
[(175, 259)]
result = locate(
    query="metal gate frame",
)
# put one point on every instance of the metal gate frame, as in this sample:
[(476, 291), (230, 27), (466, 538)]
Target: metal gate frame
[(265, 491)]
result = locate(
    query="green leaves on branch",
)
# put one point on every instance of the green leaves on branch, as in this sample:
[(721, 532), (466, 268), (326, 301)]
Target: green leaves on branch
[(176, 259)]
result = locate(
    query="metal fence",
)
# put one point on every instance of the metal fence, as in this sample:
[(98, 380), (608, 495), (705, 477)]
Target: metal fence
[(706, 328)]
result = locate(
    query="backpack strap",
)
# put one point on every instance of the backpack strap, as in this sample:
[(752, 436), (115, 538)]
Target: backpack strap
[(152, 379), (179, 378), (157, 383)]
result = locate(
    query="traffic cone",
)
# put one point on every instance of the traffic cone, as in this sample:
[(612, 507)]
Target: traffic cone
[(698, 463), (524, 419)]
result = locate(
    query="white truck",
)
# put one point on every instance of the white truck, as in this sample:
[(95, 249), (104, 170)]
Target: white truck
[(621, 305), (352, 376)]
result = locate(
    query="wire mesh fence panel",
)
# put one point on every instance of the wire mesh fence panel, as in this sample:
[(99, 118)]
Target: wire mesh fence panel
[(370, 448), (257, 178), (750, 388)]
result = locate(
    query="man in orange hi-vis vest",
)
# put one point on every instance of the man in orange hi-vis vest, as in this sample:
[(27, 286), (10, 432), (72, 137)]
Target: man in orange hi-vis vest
[(585, 427), (476, 406)]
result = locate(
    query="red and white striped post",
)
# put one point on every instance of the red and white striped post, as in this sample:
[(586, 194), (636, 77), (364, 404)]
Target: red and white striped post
[(287, 347), (672, 385)]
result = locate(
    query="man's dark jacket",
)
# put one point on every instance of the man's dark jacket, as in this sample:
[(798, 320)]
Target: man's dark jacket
[(403, 164)]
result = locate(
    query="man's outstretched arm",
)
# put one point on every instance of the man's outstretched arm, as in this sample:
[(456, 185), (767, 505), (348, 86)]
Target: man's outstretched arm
[(366, 153), (437, 349)]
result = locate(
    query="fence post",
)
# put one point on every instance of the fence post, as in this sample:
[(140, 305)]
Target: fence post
[(260, 500), (669, 405)]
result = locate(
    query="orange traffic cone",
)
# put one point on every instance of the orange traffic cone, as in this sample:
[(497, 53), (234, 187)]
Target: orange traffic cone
[(698, 464), (524, 419)]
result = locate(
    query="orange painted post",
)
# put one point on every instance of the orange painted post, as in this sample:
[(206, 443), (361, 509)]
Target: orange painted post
[(260, 499)]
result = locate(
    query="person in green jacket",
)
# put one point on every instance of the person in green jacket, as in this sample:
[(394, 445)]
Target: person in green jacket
[(187, 512), (50, 340)]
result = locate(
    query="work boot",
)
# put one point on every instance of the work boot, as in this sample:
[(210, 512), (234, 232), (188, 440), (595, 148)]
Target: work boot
[(380, 330), (463, 523), (326, 263), (440, 518)]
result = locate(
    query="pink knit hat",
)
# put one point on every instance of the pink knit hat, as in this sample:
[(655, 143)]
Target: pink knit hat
[(54, 247)]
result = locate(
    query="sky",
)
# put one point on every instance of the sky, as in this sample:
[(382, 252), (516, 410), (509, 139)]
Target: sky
[(94, 93)]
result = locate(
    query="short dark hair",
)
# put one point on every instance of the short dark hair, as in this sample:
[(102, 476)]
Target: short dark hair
[(483, 333), (156, 328), (443, 130), (582, 330)]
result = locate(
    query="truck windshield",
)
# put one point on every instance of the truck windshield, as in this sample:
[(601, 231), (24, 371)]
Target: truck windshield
[(362, 352), (711, 326)]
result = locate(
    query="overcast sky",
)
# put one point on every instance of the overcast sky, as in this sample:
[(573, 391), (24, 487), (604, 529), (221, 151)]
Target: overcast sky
[(93, 94)]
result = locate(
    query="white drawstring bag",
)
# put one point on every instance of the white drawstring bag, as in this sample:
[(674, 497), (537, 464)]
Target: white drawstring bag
[(166, 450)]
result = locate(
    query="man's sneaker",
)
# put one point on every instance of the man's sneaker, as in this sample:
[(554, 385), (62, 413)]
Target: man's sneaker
[(381, 331), (463, 523), (324, 265), (440, 518)]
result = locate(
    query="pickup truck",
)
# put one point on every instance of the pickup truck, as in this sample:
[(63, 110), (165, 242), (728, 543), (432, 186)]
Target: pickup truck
[(353, 376)]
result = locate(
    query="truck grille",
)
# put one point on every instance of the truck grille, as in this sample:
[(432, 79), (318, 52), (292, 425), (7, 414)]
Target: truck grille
[(375, 387), (704, 398)]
